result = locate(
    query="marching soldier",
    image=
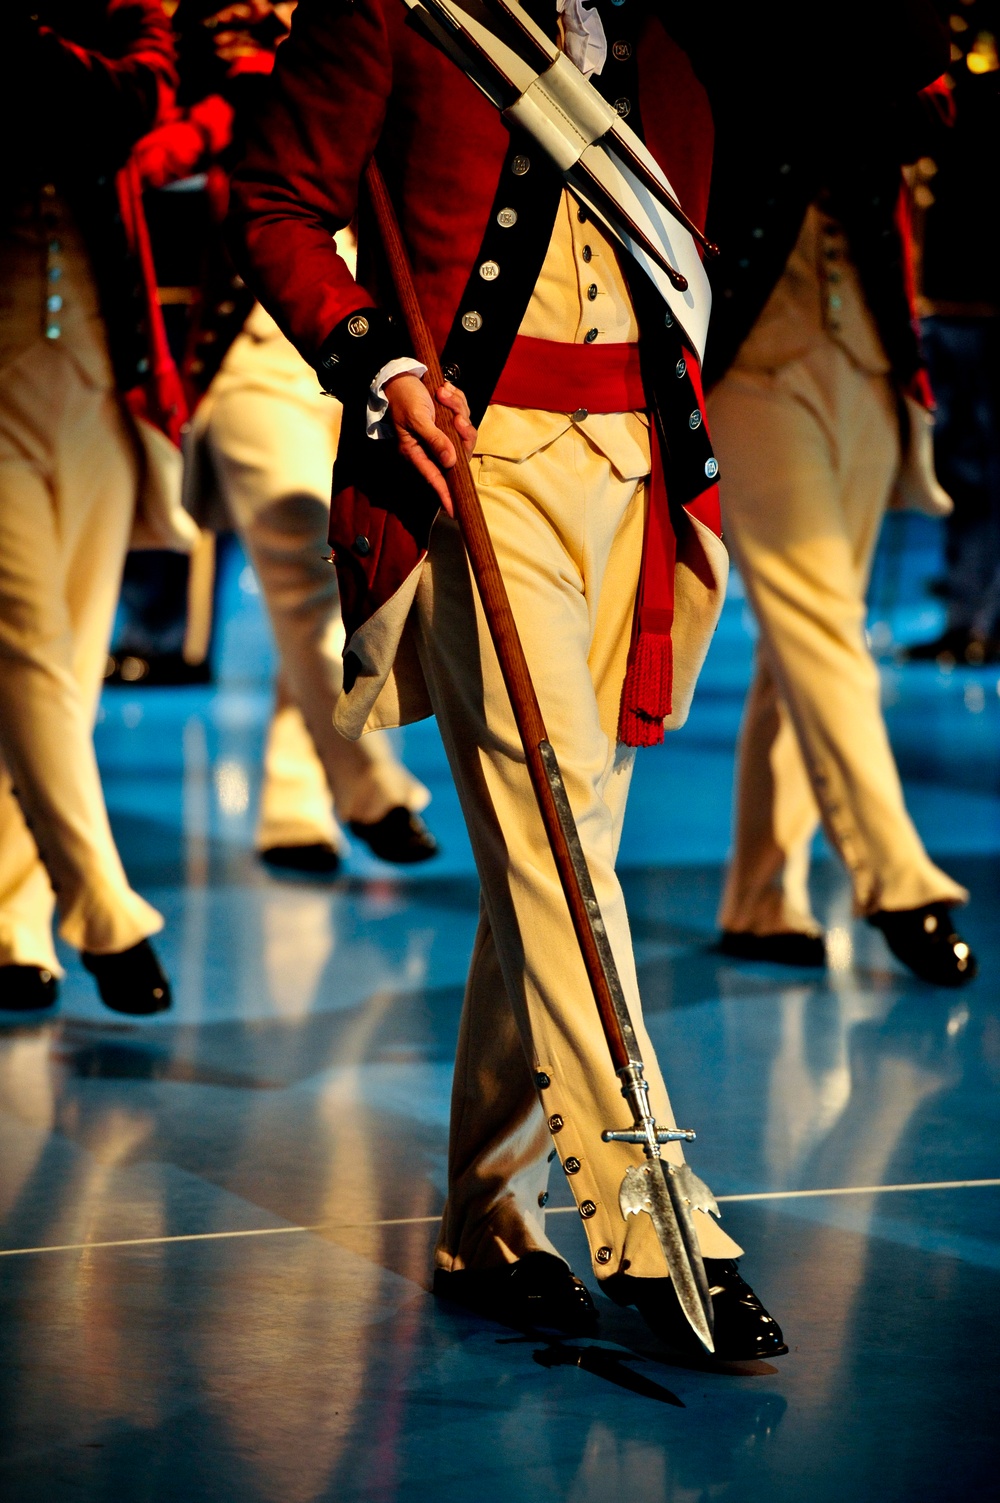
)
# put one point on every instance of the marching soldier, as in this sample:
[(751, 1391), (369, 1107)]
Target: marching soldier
[(79, 84), (555, 357)]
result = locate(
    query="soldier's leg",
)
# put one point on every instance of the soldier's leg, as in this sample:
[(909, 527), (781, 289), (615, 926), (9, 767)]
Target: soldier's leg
[(295, 801), (568, 535), (67, 487), (273, 457), (806, 468), (775, 818)]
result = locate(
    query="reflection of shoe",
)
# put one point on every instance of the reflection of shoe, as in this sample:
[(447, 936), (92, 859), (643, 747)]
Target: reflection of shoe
[(539, 1292), (401, 837), (958, 645), (27, 988), (131, 981), (319, 860), (925, 940), (743, 1328), (790, 948)]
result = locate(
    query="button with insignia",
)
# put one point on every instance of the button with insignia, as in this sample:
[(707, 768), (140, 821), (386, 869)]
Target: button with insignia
[(681, 369), (358, 325), (506, 218), (695, 420), (592, 291), (362, 546), (621, 52), (451, 372), (588, 1207), (711, 467), (489, 271), (587, 254), (542, 1081), (520, 165), (579, 415), (623, 106), (590, 336), (555, 1123), (604, 1255), (472, 321), (572, 1166)]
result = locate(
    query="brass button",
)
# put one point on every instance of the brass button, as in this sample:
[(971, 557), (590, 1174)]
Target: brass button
[(695, 420), (588, 1209), (556, 1123), (506, 218), (472, 321), (590, 336), (451, 372), (542, 1081), (681, 369), (489, 271), (358, 325), (362, 546), (604, 1255), (623, 106), (592, 291), (711, 467), (520, 165), (572, 1166), (579, 415), (587, 254), (581, 215), (621, 51)]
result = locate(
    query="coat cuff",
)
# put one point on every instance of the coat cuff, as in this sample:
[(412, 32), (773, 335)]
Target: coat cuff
[(353, 354)]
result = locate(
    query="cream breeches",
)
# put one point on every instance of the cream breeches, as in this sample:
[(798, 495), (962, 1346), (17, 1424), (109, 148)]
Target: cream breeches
[(67, 497), (807, 456), (272, 437), (568, 533)]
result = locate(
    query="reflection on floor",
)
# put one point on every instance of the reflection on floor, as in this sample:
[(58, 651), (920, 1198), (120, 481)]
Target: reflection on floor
[(217, 1224)]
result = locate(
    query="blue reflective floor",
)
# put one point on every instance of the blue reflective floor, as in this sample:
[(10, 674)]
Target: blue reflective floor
[(216, 1225)]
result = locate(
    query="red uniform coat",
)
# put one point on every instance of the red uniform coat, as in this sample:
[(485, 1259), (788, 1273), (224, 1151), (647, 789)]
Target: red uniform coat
[(356, 77)]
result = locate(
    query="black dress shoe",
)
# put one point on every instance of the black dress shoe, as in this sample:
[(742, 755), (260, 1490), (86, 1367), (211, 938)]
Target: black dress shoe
[(956, 647), (789, 948), (400, 837), (744, 1331), (131, 981), (925, 940), (27, 988), (319, 860), (539, 1292)]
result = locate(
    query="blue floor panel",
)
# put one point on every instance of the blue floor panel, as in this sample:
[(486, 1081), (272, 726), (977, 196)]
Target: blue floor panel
[(216, 1225)]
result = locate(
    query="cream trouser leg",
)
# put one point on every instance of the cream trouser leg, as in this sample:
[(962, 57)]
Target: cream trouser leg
[(295, 807), (272, 448), (67, 494), (568, 533), (807, 458)]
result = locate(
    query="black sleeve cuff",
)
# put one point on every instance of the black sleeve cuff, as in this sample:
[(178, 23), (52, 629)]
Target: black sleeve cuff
[(354, 353)]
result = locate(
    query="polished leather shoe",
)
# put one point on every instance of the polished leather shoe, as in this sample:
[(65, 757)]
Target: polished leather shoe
[(957, 646), (130, 981), (539, 1293), (744, 1331), (925, 940), (400, 837), (27, 988), (789, 948), (319, 860)]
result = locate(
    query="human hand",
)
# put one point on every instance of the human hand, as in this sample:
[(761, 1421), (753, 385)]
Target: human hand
[(421, 441)]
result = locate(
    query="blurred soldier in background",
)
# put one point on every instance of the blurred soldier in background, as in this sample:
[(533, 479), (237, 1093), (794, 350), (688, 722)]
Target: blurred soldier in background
[(264, 438), (961, 330), (820, 415), (80, 82)]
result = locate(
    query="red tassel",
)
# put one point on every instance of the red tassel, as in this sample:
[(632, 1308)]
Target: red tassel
[(647, 690)]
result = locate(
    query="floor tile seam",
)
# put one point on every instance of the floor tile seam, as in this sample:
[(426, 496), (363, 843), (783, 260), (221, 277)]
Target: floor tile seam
[(349, 1226)]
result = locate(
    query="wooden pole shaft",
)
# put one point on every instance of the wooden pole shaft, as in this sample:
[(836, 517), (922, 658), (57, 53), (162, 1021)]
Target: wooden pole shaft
[(499, 616)]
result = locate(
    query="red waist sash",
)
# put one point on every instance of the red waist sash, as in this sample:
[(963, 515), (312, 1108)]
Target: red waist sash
[(554, 377)]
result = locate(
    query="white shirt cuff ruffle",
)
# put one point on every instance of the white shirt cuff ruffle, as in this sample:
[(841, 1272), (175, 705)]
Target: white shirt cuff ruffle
[(377, 424)]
